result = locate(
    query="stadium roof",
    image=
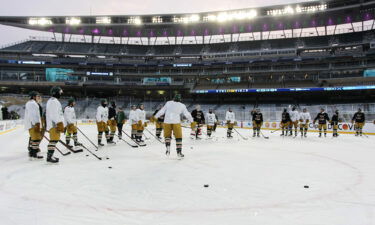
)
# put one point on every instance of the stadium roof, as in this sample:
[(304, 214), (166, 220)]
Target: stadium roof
[(280, 17)]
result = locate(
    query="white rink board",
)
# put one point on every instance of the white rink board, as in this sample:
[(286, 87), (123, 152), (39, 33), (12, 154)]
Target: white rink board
[(7, 125), (369, 128)]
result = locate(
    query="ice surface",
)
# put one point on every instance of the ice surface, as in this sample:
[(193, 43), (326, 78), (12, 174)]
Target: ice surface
[(257, 181)]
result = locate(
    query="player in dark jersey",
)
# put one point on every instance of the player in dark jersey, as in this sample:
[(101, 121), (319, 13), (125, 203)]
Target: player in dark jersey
[(285, 122), (159, 122), (199, 120), (359, 121), (322, 118), (335, 123), (257, 121)]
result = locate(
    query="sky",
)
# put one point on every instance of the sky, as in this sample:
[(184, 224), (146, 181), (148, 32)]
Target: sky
[(10, 35)]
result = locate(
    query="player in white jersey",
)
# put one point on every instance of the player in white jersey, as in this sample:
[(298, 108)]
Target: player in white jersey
[(55, 122), (101, 122), (230, 117), (141, 123), (172, 111), (211, 121), (133, 120), (71, 123), (294, 117), (304, 119), (34, 125)]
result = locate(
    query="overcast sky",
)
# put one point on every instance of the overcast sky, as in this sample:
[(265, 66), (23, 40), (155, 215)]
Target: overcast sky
[(111, 7)]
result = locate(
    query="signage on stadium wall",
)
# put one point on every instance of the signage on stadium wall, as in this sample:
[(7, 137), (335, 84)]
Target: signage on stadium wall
[(99, 73), (182, 65), (261, 90), (369, 128), (60, 74)]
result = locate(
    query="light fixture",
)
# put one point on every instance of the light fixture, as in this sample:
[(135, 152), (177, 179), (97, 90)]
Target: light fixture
[(40, 21), (73, 21), (103, 20)]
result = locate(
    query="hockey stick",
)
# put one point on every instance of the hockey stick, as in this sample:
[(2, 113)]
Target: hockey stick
[(265, 137), (130, 138), (63, 154), (100, 158), (240, 134), (133, 146), (275, 131), (70, 148), (154, 135), (88, 139), (147, 138)]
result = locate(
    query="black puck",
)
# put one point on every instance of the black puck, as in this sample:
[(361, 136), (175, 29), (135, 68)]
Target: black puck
[(87, 155), (206, 185), (306, 186), (191, 147), (109, 167), (107, 158)]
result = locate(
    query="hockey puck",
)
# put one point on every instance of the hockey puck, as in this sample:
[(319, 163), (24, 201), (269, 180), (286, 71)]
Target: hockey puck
[(306, 186), (87, 155), (107, 158), (206, 185), (191, 147), (109, 167)]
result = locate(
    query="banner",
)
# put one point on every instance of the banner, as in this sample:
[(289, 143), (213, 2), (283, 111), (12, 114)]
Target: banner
[(368, 129)]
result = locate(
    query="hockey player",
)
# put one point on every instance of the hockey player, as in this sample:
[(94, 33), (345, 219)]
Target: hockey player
[(101, 122), (141, 123), (112, 121), (285, 122), (71, 121), (120, 120), (304, 118), (294, 116), (257, 121), (33, 123), (172, 111), (199, 120), (322, 118), (335, 123), (230, 117), (217, 121), (158, 122), (359, 120), (211, 121), (133, 120), (55, 122)]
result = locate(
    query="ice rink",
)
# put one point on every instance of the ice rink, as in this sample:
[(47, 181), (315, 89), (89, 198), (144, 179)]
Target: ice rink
[(257, 181)]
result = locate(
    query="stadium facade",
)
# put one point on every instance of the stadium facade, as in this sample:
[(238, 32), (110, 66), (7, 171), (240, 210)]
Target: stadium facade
[(310, 52)]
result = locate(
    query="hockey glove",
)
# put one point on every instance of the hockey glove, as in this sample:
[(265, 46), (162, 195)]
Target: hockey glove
[(60, 127), (37, 127)]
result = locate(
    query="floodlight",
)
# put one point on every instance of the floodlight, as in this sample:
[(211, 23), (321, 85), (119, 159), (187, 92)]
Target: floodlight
[(103, 20), (194, 18), (135, 20), (40, 21), (288, 10), (157, 19), (73, 21)]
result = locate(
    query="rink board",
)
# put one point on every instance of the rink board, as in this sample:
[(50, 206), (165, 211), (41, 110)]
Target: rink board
[(344, 128)]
